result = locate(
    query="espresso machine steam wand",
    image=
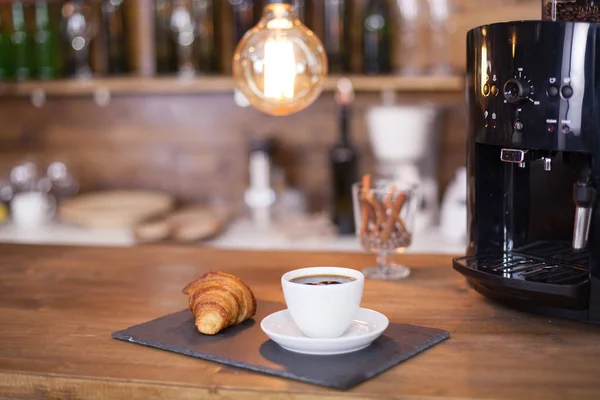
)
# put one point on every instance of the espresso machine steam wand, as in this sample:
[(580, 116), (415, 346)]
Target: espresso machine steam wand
[(583, 196)]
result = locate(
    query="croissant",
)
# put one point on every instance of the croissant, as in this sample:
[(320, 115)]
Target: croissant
[(219, 300)]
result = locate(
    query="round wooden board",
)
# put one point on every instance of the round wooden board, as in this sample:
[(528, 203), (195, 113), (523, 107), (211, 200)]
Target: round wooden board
[(118, 209)]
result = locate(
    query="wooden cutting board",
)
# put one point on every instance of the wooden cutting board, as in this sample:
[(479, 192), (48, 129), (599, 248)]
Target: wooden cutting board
[(117, 209), (188, 224)]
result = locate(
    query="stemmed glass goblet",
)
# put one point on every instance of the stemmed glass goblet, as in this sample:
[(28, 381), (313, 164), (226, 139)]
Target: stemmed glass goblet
[(185, 30), (79, 28)]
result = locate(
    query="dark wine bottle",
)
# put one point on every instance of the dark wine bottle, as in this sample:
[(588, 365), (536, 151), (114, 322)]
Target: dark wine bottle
[(166, 53), (47, 41), (205, 44), (337, 34), (343, 159), (115, 36), (5, 47), (376, 38), (244, 18), (23, 44)]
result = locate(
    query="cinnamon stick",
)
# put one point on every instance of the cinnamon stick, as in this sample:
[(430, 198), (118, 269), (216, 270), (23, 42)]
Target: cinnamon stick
[(379, 211), (366, 211), (366, 183), (387, 203), (394, 216), (364, 216)]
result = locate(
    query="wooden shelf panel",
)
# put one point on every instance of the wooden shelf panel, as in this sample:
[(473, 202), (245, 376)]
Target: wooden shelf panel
[(217, 84), (120, 85), (401, 83)]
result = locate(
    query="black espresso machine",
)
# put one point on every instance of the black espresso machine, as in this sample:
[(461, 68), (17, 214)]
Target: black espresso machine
[(533, 161)]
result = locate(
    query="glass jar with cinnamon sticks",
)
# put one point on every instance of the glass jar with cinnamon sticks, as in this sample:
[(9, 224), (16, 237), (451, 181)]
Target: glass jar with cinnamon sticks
[(384, 213)]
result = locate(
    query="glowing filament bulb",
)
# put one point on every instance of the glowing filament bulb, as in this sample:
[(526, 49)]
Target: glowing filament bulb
[(280, 65), (280, 69)]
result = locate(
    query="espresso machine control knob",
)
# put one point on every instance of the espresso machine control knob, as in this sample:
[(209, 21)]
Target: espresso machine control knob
[(516, 91)]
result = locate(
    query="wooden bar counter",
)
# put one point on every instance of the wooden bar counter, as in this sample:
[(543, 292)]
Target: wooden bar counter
[(59, 305)]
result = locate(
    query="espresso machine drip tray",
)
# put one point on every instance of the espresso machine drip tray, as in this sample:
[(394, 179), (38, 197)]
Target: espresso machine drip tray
[(546, 273), (549, 263), (557, 251)]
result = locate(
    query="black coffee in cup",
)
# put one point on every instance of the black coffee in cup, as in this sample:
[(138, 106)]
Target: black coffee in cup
[(317, 280)]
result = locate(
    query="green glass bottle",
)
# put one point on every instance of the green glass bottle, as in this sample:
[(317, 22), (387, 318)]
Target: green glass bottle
[(5, 48), (47, 41), (376, 38), (23, 44)]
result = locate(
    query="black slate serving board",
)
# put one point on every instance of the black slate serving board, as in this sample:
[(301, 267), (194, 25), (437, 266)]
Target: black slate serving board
[(246, 346)]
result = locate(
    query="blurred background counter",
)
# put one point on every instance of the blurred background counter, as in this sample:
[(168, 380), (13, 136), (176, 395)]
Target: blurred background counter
[(240, 236), (119, 122)]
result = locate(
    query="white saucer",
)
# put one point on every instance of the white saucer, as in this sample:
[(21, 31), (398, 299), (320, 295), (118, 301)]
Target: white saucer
[(367, 326)]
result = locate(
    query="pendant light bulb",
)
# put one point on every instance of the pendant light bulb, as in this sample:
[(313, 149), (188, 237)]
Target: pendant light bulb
[(280, 65)]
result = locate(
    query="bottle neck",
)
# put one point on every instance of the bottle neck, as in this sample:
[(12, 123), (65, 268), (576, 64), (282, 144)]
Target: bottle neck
[(42, 18), (288, 2), (345, 125), (18, 17)]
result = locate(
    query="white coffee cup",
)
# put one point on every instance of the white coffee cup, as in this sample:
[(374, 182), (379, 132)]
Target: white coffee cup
[(31, 209), (323, 311)]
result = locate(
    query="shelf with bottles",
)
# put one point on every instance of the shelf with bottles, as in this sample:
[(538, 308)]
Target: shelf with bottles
[(136, 85), (53, 39), (111, 40)]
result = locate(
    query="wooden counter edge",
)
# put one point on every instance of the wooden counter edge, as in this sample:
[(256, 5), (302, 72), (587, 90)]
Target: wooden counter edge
[(30, 385)]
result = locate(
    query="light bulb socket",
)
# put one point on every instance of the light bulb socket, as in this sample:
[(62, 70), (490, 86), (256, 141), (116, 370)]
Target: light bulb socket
[(289, 2)]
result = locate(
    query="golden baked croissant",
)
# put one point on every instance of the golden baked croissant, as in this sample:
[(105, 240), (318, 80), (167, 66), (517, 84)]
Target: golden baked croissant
[(219, 300)]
